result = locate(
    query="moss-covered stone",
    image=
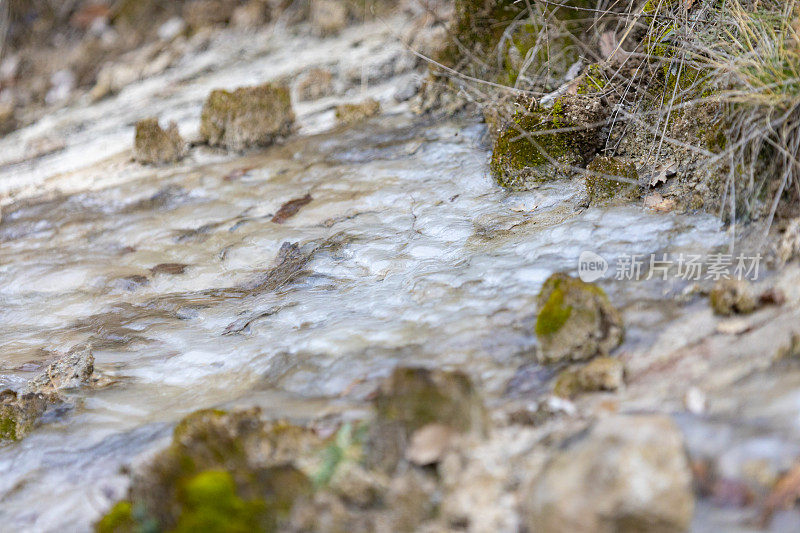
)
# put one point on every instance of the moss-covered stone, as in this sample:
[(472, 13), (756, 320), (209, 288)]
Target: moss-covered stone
[(247, 117), (154, 145), (576, 321), (118, 520), (353, 113), (414, 397), (18, 414), (732, 297), (223, 472), (601, 185), (539, 144)]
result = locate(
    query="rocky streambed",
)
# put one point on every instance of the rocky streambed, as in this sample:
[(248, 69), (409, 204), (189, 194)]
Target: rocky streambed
[(340, 330)]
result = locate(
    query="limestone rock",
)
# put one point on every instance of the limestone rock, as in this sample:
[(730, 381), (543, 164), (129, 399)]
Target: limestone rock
[(328, 17), (314, 84), (630, 474), (576, 321), (247, 117), (154, 145)]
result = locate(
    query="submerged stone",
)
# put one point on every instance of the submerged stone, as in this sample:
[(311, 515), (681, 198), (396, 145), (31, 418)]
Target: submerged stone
[(154, 145), (629, 474), (576, 321), (247, 117), (353, 113)]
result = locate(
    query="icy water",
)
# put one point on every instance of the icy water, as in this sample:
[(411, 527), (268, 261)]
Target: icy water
[(192, 297)]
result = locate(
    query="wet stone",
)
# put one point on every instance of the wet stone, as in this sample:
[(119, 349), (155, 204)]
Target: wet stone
[(247, 117), (600, 374), (154, 145), (576, 321)]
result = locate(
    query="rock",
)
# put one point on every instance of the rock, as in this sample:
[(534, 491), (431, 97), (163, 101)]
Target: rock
[(412, 398), (222, 471), (154, 145), (8, 122), (576, 321), (352, 113), (328, 17), (601, 374), (788, 248), (69, 372), (314, 84), (532, 146), (248, 117), (629, 474), (429, 444), (732, 297), (602, 189), (171, 29), (18, 414)]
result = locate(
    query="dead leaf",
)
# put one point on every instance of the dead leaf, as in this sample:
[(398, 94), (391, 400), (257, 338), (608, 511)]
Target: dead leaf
[(290, 209), (610, 47), (662, 172), (172, 269), (784, 495), (429, 444), (657, 202)]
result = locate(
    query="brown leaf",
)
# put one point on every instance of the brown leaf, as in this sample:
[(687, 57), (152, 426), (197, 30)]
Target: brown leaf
[(661, 173), (172, 269), (610, 47), (290, 209)]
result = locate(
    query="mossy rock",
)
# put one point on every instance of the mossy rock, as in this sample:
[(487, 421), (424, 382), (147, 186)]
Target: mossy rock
[(532, 147), (604, 189), (154, 145), (576, 321), (247, 117), (732, 297), (222, 472), (18, 414), (412, 398), (118, 520)]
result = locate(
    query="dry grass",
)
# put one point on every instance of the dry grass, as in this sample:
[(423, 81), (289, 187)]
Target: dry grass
[(663, 60)]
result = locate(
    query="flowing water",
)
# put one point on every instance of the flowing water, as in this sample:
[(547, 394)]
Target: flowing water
[(407, 253)]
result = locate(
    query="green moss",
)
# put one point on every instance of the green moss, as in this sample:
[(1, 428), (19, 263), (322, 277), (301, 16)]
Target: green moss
[(8, 425), (516, 158), (601, 189), (554, 314), (118, 520), (211, 504), (594, 81)]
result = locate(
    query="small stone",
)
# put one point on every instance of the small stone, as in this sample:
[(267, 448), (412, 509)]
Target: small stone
[(314, 84), (352, 113), (69, 372), (328, 17), (576, 321), (629, 474), (789, 246), (429, 444), (200, 13), (732, 297), (154, 145), (601, 374), (657, 202), (247, 117), (171, 29)]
